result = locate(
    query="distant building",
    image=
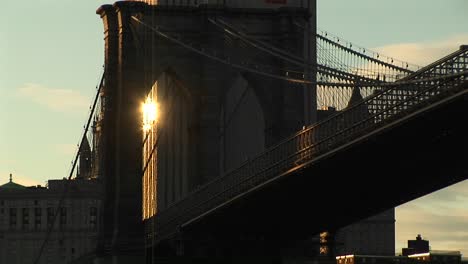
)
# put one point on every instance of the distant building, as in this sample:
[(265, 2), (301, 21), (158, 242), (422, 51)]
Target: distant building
[(26, 213), (432, 257), (417, 246), (438, 257), (425, 256), (372, 236), (366, 259)]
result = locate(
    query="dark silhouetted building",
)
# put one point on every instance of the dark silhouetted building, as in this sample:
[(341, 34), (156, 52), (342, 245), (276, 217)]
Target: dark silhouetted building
[(417, 246), (26, 213), (365, 259), (432, 257), (425, 256), (437, 257), (372, 236)]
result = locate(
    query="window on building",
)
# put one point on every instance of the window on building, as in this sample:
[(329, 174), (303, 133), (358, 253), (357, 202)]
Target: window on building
[(36, 202), (25, 222), (50, 216), (37, 218), (12, 217), (93, 217), (63, 216)]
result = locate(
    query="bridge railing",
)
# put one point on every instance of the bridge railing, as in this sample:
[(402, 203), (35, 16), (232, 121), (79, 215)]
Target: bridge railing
[(393, 102), (453, 63)]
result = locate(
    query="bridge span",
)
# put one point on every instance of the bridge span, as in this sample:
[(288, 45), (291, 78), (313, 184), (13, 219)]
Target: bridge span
[(237, 163)]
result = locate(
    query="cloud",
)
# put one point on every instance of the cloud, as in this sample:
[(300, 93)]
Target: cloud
[(441, 217), (423, 53), (60, 100)]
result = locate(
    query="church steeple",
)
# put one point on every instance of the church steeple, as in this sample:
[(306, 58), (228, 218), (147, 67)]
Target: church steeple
[(11, 177), (84, 167), (361, 112), (356, 97)]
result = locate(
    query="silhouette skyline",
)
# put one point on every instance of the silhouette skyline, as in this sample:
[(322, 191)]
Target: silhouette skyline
[(52, 55)]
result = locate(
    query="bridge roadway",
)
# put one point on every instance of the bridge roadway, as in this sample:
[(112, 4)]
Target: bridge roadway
[(405, 142)]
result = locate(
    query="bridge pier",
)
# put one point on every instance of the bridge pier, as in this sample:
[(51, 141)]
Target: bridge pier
[(121, 238)]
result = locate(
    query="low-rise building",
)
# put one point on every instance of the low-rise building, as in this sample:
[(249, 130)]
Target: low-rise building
[(69, 208), (438, 256), (432, 257), (418, 245), (372, 236), (371, 259)]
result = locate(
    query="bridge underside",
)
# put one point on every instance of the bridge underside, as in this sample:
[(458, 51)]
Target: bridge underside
[(407, 159)]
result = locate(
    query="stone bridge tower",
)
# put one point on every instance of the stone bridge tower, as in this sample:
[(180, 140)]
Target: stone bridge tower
[(211, 117)]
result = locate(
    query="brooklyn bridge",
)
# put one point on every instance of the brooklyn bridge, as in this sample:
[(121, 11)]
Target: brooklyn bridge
[(235, 131)]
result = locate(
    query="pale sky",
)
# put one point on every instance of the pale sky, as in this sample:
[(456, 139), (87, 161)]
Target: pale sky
[(51, 57)]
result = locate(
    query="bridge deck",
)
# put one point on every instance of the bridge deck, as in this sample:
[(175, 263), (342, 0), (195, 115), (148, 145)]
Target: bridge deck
[(400, 133)]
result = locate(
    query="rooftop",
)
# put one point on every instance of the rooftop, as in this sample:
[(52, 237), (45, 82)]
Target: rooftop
[(12, 185)]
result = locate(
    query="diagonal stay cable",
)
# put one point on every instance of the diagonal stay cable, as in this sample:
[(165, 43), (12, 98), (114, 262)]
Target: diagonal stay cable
[(256, 41), (282, 54), (268, 48), (67, 182), (218, 59)]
